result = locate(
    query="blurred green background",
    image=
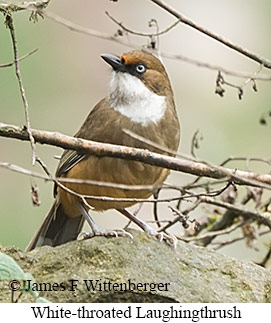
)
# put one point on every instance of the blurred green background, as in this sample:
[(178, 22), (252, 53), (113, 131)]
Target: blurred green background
[(66, 78)]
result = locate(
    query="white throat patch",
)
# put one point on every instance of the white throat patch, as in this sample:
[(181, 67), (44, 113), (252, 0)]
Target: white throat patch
[(130, 97)]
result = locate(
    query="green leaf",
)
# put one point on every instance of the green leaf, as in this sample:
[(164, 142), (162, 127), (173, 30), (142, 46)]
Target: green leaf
[(9, 269), (42, 300)]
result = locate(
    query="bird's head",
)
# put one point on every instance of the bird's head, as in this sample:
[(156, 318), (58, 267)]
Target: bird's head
[(139, 86), (142, 66)]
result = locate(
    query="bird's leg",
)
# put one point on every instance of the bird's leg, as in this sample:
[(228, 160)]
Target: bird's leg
[(148, 229), (97, 231)]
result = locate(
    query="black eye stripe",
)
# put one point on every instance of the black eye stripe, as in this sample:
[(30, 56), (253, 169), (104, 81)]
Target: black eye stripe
[(137, 70)]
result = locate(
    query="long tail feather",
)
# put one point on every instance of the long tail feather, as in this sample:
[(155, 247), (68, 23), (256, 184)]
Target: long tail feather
[(57, 228)]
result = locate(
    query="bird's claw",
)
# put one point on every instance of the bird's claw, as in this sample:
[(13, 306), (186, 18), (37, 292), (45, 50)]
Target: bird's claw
[(170, 239)]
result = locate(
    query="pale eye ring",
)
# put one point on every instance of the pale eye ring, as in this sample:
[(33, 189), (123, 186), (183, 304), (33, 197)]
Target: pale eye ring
[(140, 68)]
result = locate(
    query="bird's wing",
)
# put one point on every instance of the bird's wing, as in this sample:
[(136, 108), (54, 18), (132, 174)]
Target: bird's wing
[(69, 159), (92, 128)]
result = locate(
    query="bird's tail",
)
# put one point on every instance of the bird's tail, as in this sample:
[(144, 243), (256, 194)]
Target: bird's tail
[(57, 228)]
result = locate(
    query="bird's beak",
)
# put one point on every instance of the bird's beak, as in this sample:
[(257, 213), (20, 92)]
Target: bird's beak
[(114, 61)]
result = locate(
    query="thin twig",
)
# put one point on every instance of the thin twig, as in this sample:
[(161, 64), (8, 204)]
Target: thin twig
[(251, 79), (155, 207), (213, 193), (180, 217), (183, 214), (205, 184), (195, 142), (19, 59), (135, 213), (130, 31), (247, 160), (233, 240), (264, 218), (221, 81), (213, 67), (162, 148), (266, 258), (9, 22), (214, 233)]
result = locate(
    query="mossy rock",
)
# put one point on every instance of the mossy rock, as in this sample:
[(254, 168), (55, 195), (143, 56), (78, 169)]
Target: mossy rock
[(155, 271)]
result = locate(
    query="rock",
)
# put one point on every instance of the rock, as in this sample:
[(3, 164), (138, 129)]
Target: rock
[(156, 271)]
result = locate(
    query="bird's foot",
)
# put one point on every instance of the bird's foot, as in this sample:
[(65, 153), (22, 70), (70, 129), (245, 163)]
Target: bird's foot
[(161, 236), (104, 233), (97, 231), (170, 239)]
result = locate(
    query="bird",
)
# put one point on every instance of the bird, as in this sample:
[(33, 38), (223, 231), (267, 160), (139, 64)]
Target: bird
[(141, 100)]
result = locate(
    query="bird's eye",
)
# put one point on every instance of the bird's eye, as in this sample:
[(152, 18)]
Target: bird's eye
[(140, 68)]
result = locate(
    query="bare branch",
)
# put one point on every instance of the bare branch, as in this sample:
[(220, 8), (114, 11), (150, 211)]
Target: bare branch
[(264, 218), (142, 155), (58, 181), (215, 67), (213, 35), (27, 172)]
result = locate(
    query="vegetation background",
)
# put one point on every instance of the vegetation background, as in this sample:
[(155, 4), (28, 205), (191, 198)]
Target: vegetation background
[(66, 78)]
